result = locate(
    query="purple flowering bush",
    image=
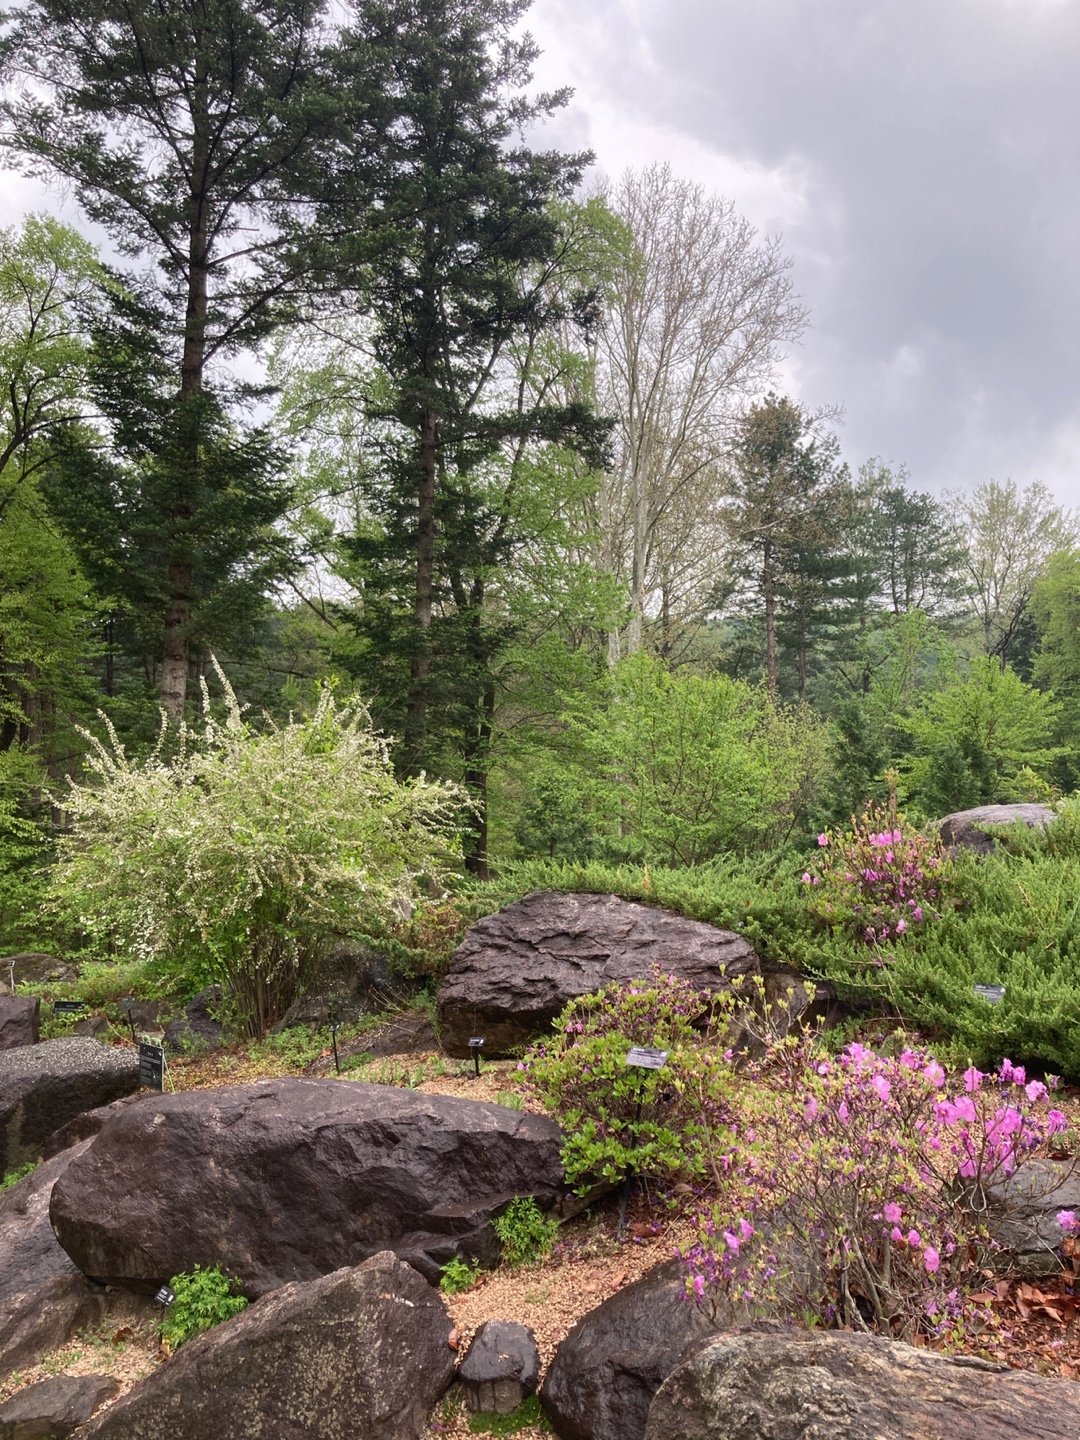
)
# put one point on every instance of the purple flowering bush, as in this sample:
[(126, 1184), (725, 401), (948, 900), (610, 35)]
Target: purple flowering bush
[(617, 1118), (880, 879), (854, 1186)]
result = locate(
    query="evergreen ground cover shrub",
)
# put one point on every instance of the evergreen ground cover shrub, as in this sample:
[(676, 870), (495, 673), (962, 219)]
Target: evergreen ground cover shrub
[(852, 1187)]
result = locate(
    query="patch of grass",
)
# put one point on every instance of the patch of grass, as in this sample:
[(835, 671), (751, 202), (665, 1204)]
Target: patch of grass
[(527, 1413), (510, 1098)]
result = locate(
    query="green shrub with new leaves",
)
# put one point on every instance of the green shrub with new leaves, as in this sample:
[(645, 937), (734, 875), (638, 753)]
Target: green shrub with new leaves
[(524, 1232), (247, 853), (203, 1299), (616, 1117)]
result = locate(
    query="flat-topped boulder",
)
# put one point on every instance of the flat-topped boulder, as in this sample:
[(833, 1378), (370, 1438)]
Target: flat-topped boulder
[(43, 1297), (811, 1384), (1022, 1211), (515, 971), (362, 1352), (971, 829), (44, 1086), (52, 1409), (290, 1179)]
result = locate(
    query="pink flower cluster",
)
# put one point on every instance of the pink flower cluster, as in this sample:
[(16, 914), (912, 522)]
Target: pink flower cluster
[(854, 1190), (879, 880)]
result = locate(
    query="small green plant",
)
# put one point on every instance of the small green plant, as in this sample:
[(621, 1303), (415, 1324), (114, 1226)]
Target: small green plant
[(527, 1413), (524, 1232), (203, 1299), (458, 1275), (14, 1176), (510, 1098)]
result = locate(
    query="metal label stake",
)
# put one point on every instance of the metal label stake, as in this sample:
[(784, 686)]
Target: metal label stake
[(639, 1057)]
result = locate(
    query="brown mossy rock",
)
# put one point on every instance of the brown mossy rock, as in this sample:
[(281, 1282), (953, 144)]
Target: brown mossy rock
[(811, 1385), (44, 1086), (289, 1179), (970, 829), (604, 1374), (43, 1297), (515, 971), (52, 1409), (20, 1021), (363, 1352)]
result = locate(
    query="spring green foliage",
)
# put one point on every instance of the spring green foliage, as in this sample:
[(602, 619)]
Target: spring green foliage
[(203, 1299), (524, 1232), (244, 855), (617, 1118), (458, 1275), (14, 1176)]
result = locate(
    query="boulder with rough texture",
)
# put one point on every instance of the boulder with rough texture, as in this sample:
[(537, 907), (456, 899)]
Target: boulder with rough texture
[(199, 1027), (809, 1385), (288, 1179), (350, 982), (35, 968), (88, 1124), (967, 829), (502, 1367), (43, 1297), (602, 1380), (361, 1352), (52, 1409), (20, 1021), (514, 971), (44, 1086), (1022, 1214)]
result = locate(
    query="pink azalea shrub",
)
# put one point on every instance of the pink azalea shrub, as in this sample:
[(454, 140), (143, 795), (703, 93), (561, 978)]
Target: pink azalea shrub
[(881, 878), (854, 1186)]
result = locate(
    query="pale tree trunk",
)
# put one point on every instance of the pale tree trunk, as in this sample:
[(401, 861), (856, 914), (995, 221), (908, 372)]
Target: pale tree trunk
[(769, 589)]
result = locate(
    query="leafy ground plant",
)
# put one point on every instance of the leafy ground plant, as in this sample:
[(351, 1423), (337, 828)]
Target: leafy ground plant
[(14, 1176), (527, 1413), (524, 1232), (204, 1298), (458, 1275)]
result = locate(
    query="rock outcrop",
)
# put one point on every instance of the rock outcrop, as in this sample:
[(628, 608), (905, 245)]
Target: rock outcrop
[(285, 1180), (43, 1297), (52, 1409), (968, 829), (514, 971), (44, 1086), (806, 1385), (361, 1352), (605, 1373), (20, 1021)]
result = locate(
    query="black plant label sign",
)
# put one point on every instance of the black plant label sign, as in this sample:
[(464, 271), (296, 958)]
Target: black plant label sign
[(152, 1066), (68, 1007)]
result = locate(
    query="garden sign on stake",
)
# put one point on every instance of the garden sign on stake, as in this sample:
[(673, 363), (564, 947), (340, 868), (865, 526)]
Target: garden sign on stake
[(640, 1057)]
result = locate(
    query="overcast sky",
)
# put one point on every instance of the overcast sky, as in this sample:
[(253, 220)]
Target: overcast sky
[(921, 159)]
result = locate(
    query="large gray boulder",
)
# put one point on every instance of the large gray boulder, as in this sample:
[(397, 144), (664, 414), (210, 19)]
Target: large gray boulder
[(361, 1352), (969, 829), (811, 1385), (515, 971), (44, 1086), (33, 967), (52, 1409), (604, 1374), (43, 1297), (289, 1179), (1022, 1211), (20, 1021)]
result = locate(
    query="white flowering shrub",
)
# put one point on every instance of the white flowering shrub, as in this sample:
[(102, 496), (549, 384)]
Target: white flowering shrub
[(249, 852)]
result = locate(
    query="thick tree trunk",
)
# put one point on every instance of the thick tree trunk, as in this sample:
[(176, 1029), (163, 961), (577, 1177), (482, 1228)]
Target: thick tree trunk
[(416, 719), (476, 778)]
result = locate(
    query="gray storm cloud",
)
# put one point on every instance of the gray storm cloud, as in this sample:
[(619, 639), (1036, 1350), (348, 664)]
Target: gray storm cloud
[(937, 147)]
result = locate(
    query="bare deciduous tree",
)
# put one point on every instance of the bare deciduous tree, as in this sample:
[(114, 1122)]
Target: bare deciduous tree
[(1011, 533), (698, 308)]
